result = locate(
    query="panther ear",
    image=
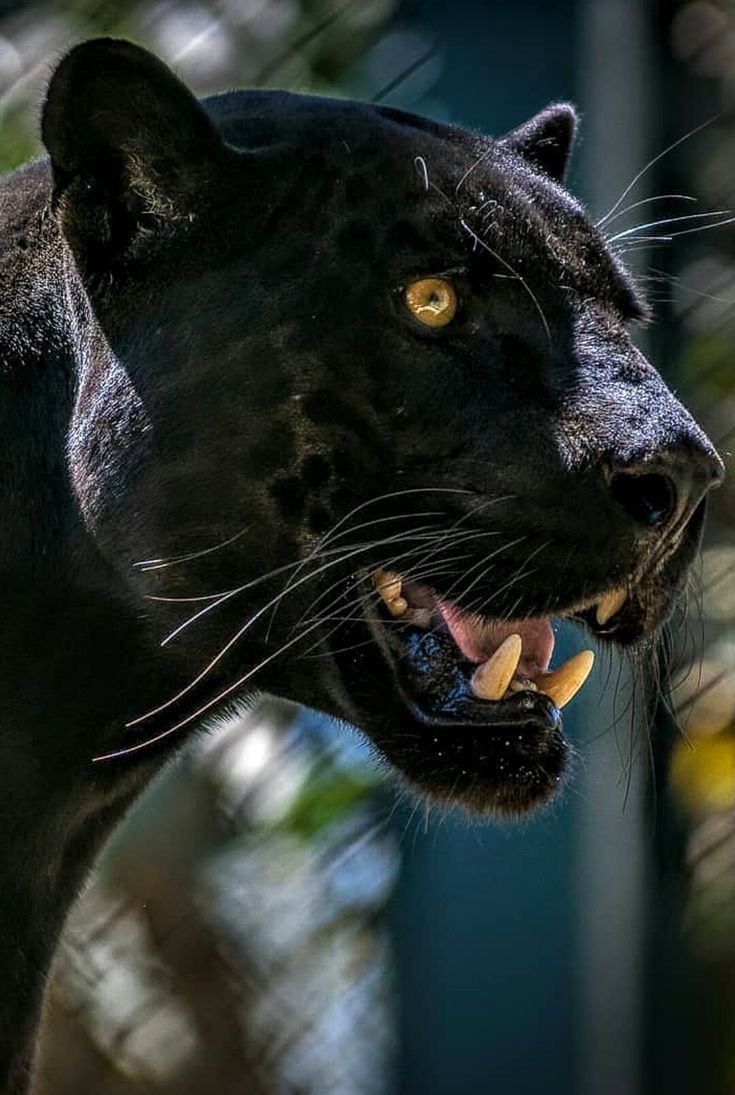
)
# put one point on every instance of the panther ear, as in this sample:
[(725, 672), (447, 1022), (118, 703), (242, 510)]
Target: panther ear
[(130, 146), (546, 140)]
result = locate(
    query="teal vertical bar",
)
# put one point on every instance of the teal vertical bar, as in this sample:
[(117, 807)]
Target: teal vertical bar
[(613, 839), (484, 918)]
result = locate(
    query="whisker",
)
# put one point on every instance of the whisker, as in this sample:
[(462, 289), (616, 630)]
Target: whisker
[(227, 592), (329, 535), (238, 634), (668, 220), (473, 167), (390, 564), (374, 595), (647, 201), (350, 530), (482, 563), (507, 265), (205, 707), (340, 620), (520, 574), (387, 563), (159, 564), (651, 163), (441, 536), (641, 242), (420, 164)]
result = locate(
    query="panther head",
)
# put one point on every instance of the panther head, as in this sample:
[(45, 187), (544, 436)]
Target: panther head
[(356, 391)]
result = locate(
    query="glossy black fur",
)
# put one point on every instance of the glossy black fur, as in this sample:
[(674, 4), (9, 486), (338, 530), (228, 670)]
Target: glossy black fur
[(204, 339)]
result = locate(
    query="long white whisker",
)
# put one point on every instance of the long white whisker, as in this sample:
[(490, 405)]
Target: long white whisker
[(647, 201), (518, 576), (342, 619), (330, 534), (160, 564), (702, 228), (207, 706), (473, 167), (437, 542), (230, 593), (349, 531), (384, 498), (407, 574), (651, 163), (421, 532), (226, 592), (439, 537), (238, 634), (482, 565), (641, 242), (667, 220)]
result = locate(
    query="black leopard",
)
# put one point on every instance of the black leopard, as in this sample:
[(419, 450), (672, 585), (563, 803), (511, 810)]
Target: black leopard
[(310, 397)]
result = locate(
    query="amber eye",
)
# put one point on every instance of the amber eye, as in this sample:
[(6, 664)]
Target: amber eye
[(432, 301)]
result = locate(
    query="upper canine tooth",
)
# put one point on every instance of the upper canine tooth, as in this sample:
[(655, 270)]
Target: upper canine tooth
[(388, 585), (491, 679), (611, 603), (563, 683)]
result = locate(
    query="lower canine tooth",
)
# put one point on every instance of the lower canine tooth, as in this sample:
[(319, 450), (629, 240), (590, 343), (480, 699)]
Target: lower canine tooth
[(563, 683), (608, 605), (398, 606), (491, 679)]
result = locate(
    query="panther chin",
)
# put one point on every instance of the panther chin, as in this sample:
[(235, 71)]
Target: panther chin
[(481, 700)]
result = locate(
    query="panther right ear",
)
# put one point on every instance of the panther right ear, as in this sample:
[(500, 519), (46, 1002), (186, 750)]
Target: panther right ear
[(546, 140), (130, 147)]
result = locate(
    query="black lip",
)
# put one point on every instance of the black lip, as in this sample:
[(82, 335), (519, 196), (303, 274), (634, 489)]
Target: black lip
[(434, 682)]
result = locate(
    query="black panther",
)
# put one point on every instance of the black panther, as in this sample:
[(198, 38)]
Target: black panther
[(311, 397)]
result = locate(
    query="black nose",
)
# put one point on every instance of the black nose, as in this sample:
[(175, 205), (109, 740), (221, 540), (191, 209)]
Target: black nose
[(663, 492)]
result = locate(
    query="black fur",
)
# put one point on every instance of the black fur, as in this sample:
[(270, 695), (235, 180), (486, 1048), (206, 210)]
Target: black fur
[(203, 340)]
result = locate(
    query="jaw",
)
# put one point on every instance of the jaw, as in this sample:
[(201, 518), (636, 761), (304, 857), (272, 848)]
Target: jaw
[(466, 708), (503, 757)]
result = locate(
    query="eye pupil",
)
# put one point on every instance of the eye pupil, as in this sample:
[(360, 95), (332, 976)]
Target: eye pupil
[(432, 301)]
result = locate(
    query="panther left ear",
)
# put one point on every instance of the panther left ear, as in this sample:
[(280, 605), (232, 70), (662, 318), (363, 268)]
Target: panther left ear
[(131, 148), (546, 140)]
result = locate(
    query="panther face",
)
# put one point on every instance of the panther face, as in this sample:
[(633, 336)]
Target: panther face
[(368, 379)]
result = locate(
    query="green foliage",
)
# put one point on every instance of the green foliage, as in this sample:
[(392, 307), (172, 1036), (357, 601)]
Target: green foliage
[(327, 796), (17, 144)]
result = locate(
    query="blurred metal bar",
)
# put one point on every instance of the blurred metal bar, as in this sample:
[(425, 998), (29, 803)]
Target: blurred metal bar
[(616, 62)]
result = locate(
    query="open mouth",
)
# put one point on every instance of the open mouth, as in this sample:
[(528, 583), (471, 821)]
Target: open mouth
[(504, 657), (484, 692)]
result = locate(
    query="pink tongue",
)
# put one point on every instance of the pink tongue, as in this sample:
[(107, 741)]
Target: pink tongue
[(479, 640)]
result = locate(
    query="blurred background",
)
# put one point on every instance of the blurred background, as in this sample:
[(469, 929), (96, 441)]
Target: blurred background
[(273, 918)]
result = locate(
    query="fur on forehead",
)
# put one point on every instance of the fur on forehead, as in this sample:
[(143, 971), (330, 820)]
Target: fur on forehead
[(497, 191)]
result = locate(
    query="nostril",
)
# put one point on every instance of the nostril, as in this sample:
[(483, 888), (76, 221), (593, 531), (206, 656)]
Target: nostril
[(650, 499)]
